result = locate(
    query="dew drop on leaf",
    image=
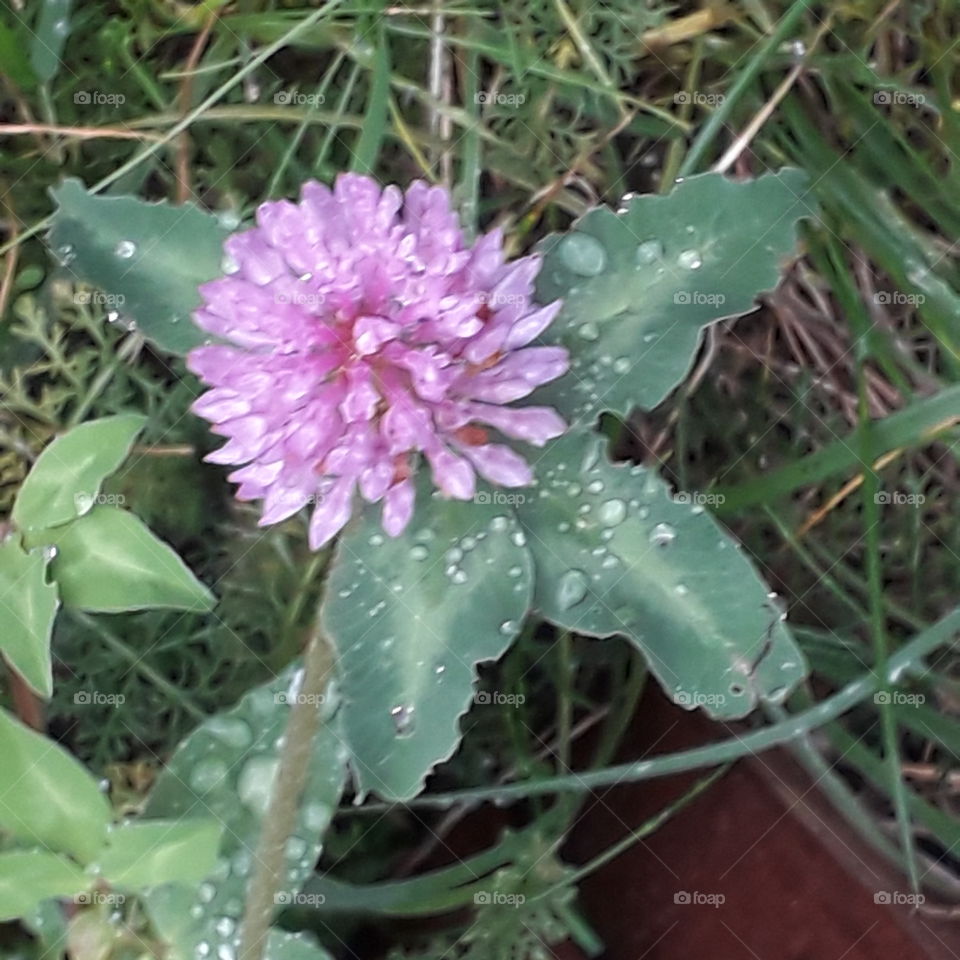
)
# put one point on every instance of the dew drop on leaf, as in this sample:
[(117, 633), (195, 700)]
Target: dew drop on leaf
[(589, 331), (255, 785), (612, 512), (125, 249), (648, 252), (207, 775), (690, 259), (583, 254), (403, 719), (663, 535), (231, 731), (571, 589)]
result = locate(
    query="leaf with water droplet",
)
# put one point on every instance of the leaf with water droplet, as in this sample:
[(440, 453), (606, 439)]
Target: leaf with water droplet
[(225, 770), (622, 556), (640, 285), (455, 606), (64, 482), (153, 255), (28, 606)]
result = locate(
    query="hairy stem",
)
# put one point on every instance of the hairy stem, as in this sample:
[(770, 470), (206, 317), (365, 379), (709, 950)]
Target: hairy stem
[(281, 816)]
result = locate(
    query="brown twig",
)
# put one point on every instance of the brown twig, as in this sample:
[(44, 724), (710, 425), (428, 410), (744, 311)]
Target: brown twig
[(184, 189)]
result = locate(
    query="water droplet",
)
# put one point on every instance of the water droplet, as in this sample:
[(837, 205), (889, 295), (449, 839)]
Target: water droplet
[(419, 552), (125, 249), (459, 576), (440, 668), (403, 719), (690, 259), (203, 949), (454, 555), (316, 816), (231, 731), (207, 892), (225, 926), (571, 589), (595, 486), (66, 254), (207, 775), (229, 264), (589, 331), (515, 571), (255, 785), (296, 848), (648, 252), (376, 540), (621, 365), (663, 535), (499, 523), (681, 589), (519, 538), (509, 627), (583, 254), (612, 512)]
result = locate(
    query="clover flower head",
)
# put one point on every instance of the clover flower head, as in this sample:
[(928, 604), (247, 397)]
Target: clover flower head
[(358, 331)]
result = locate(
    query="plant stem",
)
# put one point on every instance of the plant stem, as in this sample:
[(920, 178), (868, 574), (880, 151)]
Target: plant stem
[(281, 816)]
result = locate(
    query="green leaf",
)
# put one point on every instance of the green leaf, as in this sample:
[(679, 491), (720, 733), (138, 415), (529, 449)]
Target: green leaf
[(147, 853), (615, 554), (152, 255), (28, 607), (108, 561), (410, 618), (48, 37), (225, 770), (27, 877), (65, 481), (46, 796), (639, 287), (13, 56)]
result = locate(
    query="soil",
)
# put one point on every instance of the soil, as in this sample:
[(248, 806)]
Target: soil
[(758, 867)]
